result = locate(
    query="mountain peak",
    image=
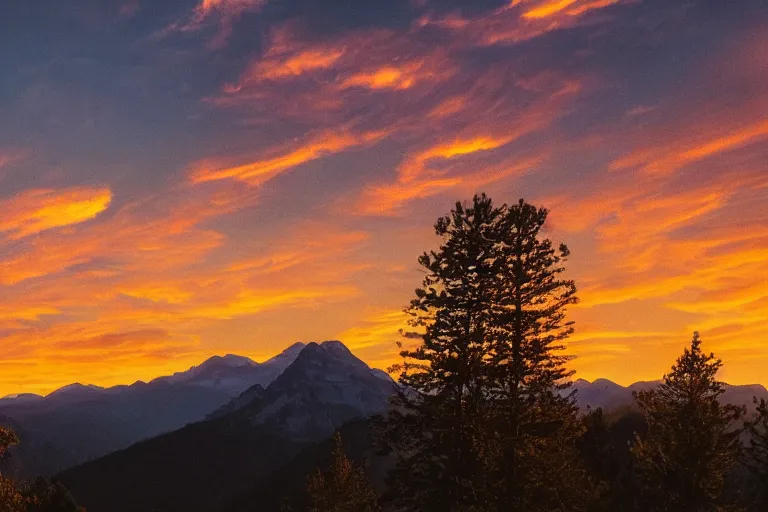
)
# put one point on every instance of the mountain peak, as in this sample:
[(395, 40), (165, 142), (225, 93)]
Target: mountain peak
[(605, 383), (230, 360), (76, 389), (336, 347), (296, 347), (325, 387), (332, 350), (23, 397), (288, 355)]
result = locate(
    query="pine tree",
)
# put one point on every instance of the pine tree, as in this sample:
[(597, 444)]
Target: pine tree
[(692, 442), (43, 495), (343, 488), (436, 427), (11, 499), (757, 455), (484, 421), (39, 495), (598, 454), (7, 439), (537, 425)]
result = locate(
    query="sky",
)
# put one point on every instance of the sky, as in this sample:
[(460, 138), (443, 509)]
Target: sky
[(186, 178)]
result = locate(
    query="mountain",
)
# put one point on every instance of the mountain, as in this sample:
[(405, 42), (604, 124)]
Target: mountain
[(20, 398), (609, 395), (207, 464), (324, 388), (233, 373), (77, 423)]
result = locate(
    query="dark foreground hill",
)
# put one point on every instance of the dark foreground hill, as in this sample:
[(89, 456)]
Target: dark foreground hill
[(287, 485), (207, 465)]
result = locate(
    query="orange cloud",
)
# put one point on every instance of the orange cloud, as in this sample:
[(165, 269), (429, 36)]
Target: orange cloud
[(256, 173), (206, 7), (374, 60), (413, 183), (446, 165), (153, 233), (33, 211), (546, 9), (330, 79), (251, 302), (27, 313), (401, 77), (154, 293), (275, 68), (663, 160), (518, 21), (384, 78), (550, 8), (307, 244), (225, 12)]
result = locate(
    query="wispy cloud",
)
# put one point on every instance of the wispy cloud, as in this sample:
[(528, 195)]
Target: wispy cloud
[(258, 172), (34, 211)]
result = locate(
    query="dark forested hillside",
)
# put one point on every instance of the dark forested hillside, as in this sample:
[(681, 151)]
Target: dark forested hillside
[(196, 468), (286, 485)]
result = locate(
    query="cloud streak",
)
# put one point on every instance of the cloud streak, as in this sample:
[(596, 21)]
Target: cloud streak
[(34, 211)]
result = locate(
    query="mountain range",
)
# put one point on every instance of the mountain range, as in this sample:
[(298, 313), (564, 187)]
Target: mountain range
[(608, 395), (212, 464), (80, 422), (230, 434)]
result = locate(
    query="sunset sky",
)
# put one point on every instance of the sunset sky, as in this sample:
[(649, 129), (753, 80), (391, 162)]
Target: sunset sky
[(183, 178)]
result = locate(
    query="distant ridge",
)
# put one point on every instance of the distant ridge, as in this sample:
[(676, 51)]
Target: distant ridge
[(80, 422), (210, 367), (609, 395), (23, 397)]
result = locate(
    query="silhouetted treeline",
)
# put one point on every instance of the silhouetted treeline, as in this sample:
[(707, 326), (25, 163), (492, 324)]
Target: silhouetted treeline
[(38, 495), (485, 419)]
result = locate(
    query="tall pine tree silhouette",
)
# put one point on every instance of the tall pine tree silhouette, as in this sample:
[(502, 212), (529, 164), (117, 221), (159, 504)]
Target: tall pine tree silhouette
[(483, 421), (437, 425), (692, 441), (536, 462)]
